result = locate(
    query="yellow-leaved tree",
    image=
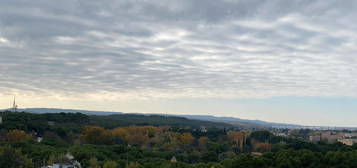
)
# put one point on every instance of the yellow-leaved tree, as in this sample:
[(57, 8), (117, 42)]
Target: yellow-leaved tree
[(17, 136)]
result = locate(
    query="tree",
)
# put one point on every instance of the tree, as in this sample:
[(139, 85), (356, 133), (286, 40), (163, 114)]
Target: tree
[(202, 143), (121, 135), (110, 164), (17, 136), (133, 165), (97, 135), (238, 139), (261, 136), (51, 160), (93, 163), (262, 147), (11, 158), (186, 139)]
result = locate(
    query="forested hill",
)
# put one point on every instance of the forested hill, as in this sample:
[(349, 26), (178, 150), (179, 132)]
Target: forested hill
[(40, 122), (115, 120), (244, 123)]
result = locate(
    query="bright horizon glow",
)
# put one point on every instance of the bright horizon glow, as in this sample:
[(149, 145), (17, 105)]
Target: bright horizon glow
[(290, 110)]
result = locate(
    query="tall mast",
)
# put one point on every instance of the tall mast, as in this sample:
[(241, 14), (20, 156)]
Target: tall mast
[(14, 106)]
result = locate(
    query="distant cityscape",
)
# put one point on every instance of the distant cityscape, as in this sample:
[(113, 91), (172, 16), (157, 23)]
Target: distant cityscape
[(346, 137)]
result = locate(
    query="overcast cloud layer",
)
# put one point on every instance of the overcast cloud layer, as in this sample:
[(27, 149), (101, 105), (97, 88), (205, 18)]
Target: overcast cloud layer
[(178, 49)]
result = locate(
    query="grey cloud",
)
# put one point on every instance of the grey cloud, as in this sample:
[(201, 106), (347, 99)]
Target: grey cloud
[(245, 48)]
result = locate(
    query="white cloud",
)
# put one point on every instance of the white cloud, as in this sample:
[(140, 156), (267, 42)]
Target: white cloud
[(4, 40)]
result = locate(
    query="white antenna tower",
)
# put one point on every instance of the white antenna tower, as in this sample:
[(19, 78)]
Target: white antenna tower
[(14, 105)]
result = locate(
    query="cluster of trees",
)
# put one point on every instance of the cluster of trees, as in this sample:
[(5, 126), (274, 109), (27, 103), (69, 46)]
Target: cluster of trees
[(74, 122), (119, 156), (17, 136), (148, 146), (144, 136), (202, 152), (13, 158)]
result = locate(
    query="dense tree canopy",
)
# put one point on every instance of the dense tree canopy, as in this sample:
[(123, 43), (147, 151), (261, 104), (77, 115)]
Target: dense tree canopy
[(149, 146)]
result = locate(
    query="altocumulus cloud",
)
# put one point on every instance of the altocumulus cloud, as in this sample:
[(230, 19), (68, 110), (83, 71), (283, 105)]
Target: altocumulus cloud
[(177, 49)]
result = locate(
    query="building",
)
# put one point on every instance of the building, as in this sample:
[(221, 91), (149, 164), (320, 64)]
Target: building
[(315, 138), (203, 129), (63, 165), (350, 135), (256, 154), (348, 142), (282, 134), (39, 139), (331, 137), (66, 161), (173, 159), (51, 123), (60, 165)]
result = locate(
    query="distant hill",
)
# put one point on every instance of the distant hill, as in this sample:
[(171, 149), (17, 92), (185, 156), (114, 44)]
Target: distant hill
[(238, 121), (56, 110), (74, 119), (228, 120), (117, 120)]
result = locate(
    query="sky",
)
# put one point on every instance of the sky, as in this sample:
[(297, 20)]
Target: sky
[(274, 60)]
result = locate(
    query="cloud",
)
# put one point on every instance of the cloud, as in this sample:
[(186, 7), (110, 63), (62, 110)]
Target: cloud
[(177, 49)]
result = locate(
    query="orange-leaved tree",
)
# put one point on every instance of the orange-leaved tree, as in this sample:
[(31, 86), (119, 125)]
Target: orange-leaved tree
[(97, 135), (17, 136)]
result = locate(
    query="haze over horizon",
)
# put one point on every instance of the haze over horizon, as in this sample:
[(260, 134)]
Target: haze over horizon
[(272, 60)]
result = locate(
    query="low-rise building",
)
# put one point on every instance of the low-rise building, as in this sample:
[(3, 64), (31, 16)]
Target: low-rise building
[(350, 135), (173, 159), (65, 162), (256, 154), (348, 142), (63, 165), (315, 138), (331, 137), (203, 129), (51, 123), (39, 139), (282, 134)]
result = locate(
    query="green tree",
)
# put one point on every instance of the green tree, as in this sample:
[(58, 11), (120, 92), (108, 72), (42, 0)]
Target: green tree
[(11, 158), (110, 164), (93, 163)]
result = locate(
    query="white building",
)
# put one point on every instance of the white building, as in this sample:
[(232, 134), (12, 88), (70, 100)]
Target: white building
[(39, 139), (65, 162), (71, 164), (63, 165)]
